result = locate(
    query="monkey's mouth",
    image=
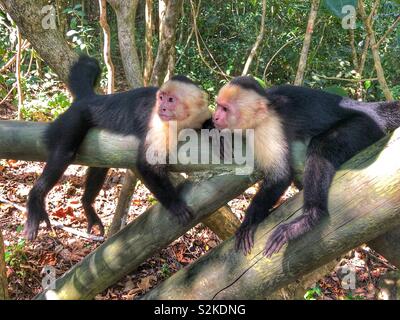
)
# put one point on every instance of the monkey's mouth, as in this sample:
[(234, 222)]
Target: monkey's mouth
[(166, 116)]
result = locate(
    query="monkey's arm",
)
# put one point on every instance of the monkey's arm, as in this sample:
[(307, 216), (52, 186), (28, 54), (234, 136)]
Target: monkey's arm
[(259, 209), (157, 180), (325, 153)]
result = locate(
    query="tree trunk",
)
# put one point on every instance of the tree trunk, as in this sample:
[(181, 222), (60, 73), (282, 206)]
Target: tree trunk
[(223, 222), (364, 203), (107, 46), (146, 235), (3, 277), (18, 74), (167, 41), (23, 141), (125, 11), (37, 28), (148, 67), (375, 50), (258, 40), (124, 202), (306, 44)]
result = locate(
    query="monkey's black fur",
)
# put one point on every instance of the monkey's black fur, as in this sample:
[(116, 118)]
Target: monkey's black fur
[(337, 128), (126, 113)]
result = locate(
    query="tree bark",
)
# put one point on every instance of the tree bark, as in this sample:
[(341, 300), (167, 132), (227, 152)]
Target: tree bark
[(107, 46), (3, 277), (18, 74), (167, 41), (23, 141), (146, 235), (124, 203), (48, 42), (364, 203), (125, 11), (148, 67), (223, 222), (306, 44), (258, 40)]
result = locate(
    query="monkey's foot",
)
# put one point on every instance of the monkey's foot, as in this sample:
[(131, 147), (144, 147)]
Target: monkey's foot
[(244, 238), (95, 221), (31, 227), (182, 212), (289, 231)]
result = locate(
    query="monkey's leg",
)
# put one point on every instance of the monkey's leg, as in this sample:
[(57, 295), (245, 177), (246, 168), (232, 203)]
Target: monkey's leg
[(57, 163), (259, 208), (95, 178), (325, 154), (157, 180)]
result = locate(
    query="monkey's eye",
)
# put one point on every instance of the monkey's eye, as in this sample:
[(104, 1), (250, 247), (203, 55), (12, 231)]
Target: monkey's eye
[(160, 97), (225, 109), (171, 100)]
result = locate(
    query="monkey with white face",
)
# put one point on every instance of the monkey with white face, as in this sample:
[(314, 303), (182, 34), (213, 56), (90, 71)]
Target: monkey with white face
[(334, 129)]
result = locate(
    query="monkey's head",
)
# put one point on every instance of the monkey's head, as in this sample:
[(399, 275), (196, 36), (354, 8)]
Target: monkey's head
[(180, 99), (241, 104)]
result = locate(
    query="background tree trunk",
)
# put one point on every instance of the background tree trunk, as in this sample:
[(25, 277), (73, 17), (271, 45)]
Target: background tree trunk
[(167, 41), (306, 44), (107, 46), (124, 202), (148, 67), (258, 40), (374, 48), (125, 11)]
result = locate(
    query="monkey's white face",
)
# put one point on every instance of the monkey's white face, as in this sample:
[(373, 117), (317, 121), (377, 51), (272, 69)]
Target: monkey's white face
[(182, 102), (239, 108), (170, 107)]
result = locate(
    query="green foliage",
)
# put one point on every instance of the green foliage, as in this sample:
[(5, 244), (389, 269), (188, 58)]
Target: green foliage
[(313, 293), (46, 108), (165, 270), (337, 90), (15, 254), (81, 33), (350, 296)]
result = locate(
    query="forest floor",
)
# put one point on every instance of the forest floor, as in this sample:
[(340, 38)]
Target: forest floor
[(62, 250)]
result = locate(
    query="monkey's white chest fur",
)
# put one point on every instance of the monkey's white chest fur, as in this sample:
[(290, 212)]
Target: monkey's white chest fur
[(270, 147)]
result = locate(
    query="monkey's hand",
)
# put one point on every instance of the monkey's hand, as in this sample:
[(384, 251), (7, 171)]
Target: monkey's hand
[(244, 238), (182, 212), (289, 231), (31, 227)]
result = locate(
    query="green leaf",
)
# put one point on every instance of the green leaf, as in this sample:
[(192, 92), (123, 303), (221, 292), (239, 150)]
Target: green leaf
[(335, 6), (336, 90), (261, 82), (367, 84)]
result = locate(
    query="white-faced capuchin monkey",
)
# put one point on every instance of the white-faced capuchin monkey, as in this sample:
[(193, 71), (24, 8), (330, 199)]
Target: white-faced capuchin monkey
[(334, 129), (143, 112)]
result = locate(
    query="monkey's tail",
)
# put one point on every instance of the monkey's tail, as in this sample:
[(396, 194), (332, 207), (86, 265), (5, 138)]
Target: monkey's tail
[(83, 77)]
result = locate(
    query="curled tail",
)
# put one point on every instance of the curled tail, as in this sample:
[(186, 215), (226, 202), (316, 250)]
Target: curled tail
[(83, 76)]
